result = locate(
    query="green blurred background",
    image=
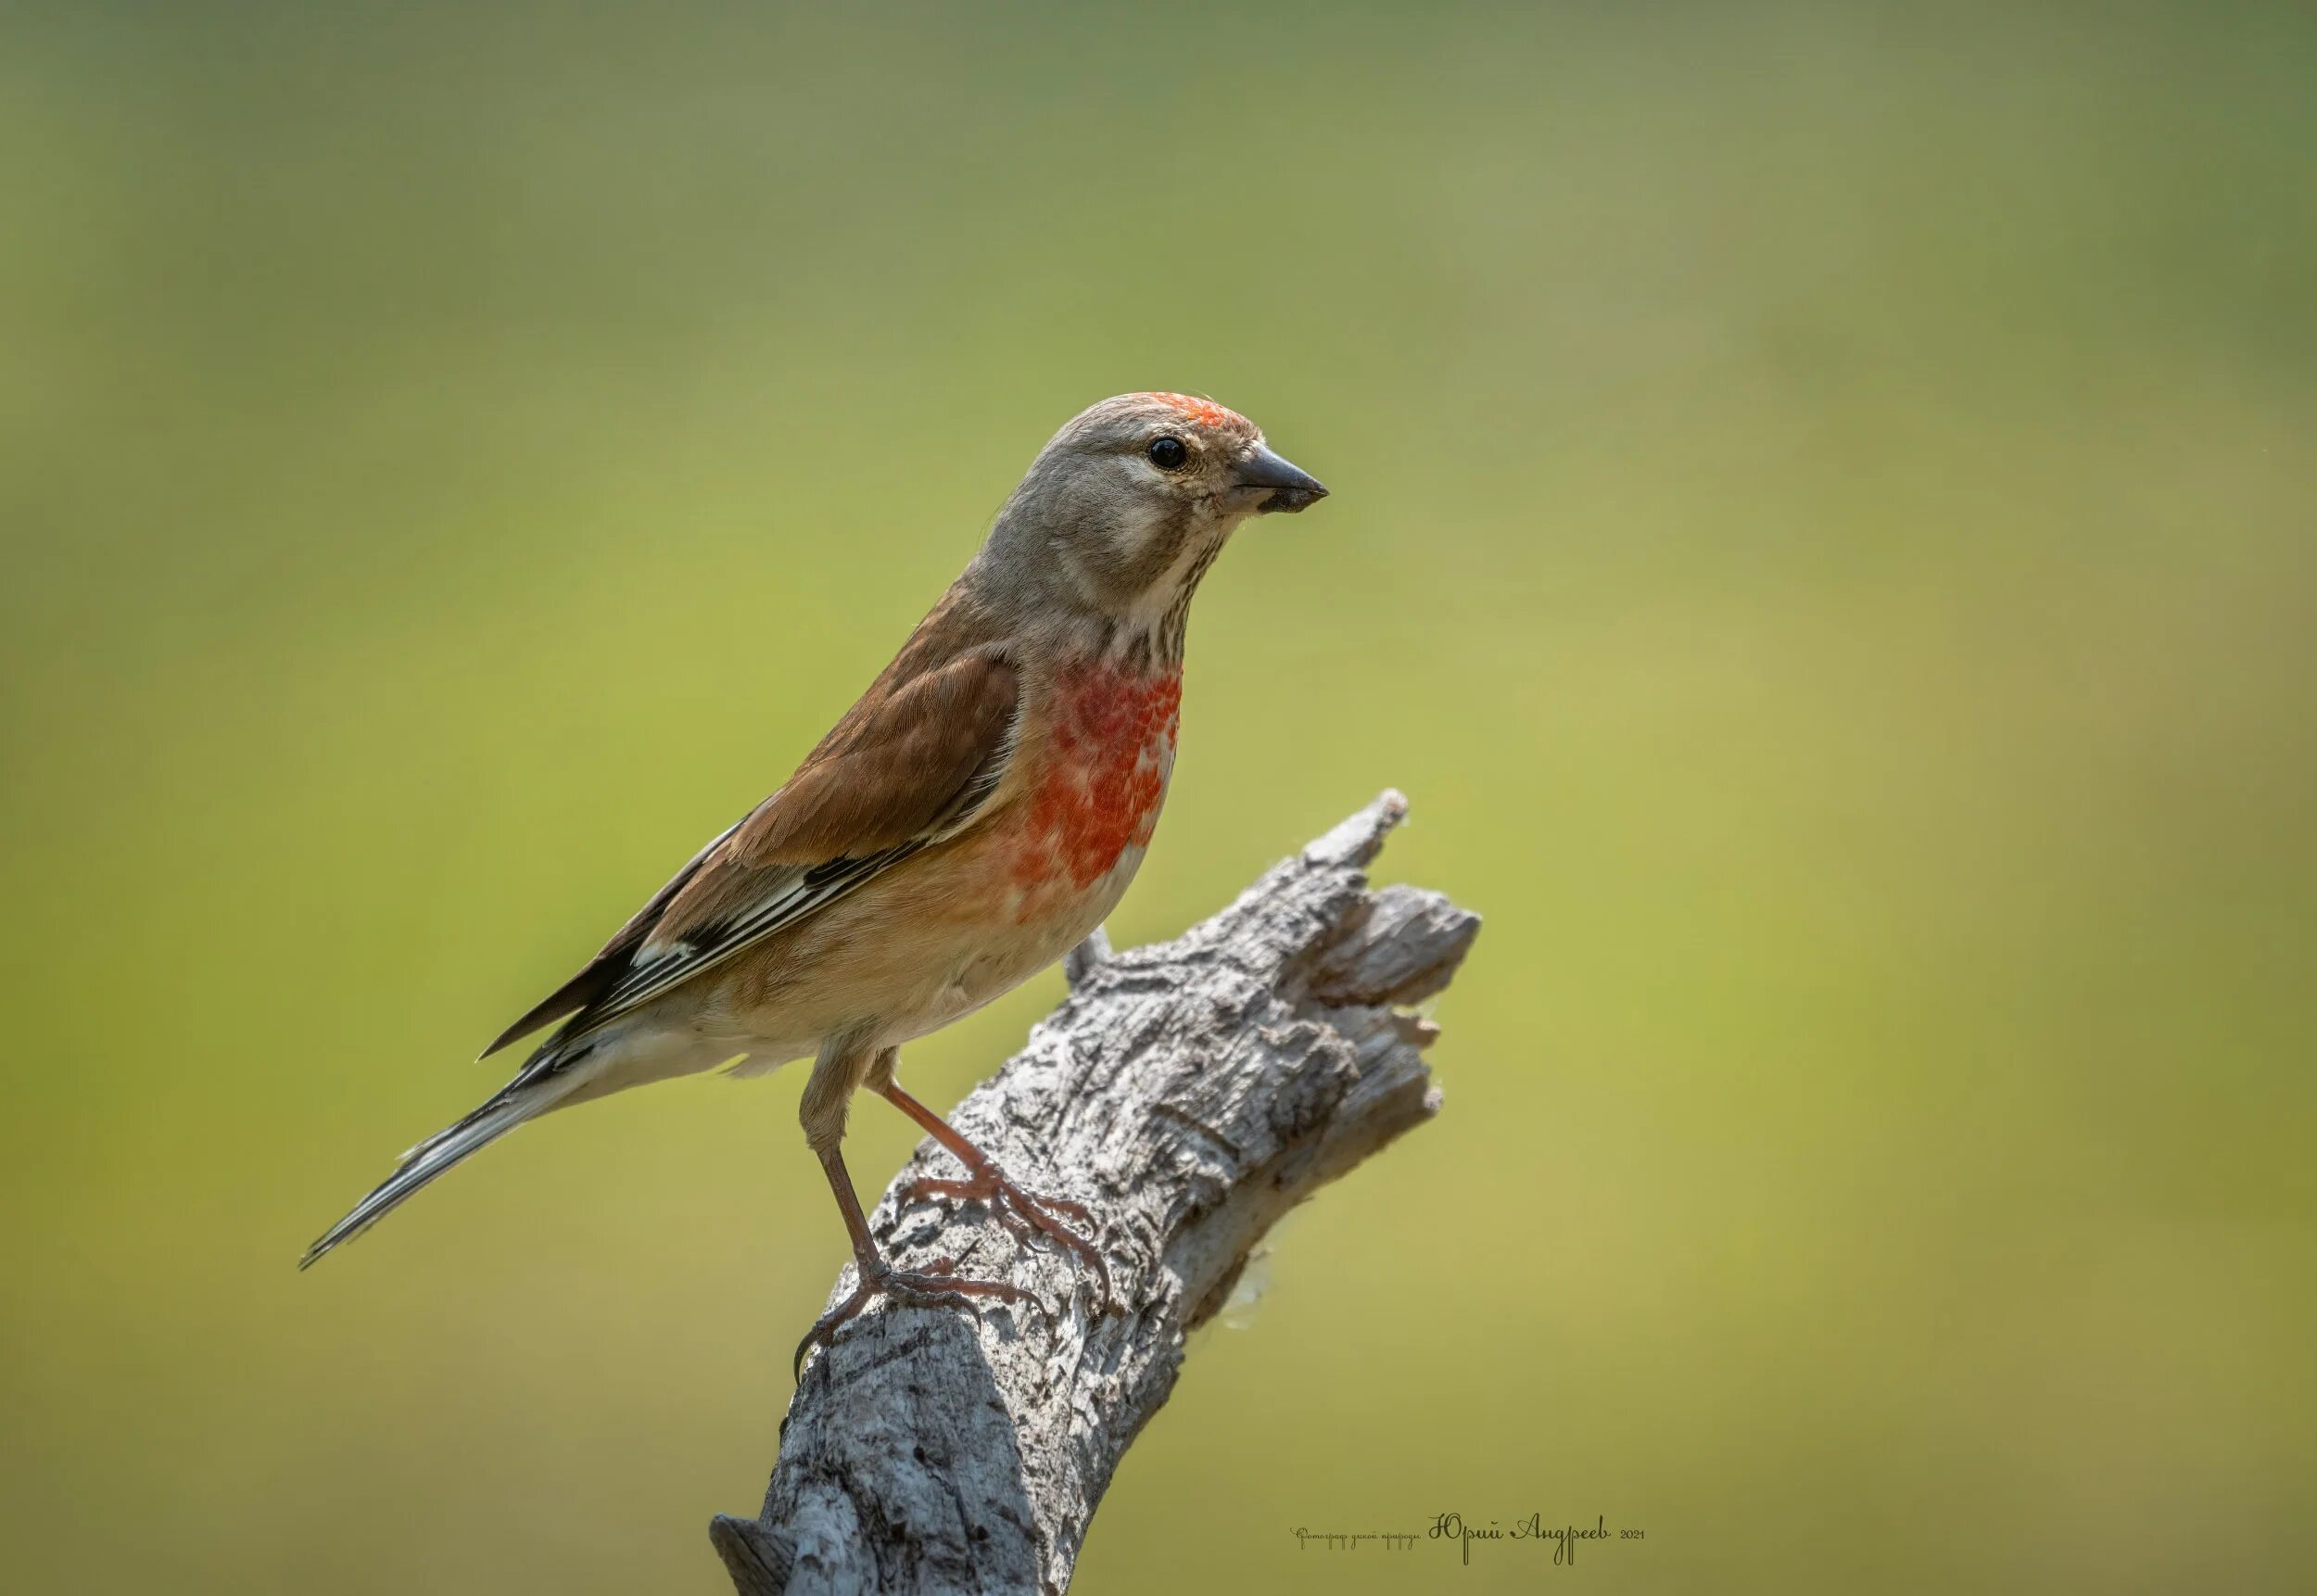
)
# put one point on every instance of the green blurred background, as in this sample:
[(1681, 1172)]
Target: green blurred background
[(1823, 531)]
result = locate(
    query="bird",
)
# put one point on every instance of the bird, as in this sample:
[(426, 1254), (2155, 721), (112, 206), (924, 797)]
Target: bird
[(977, 814)]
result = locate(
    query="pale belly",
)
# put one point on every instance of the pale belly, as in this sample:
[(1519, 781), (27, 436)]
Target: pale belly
[(999, 963)]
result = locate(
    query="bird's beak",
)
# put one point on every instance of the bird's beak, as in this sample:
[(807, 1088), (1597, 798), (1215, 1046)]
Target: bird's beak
[(1285, 488)]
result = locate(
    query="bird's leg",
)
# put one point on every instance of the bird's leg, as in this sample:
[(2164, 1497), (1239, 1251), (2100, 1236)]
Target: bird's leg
[(1027, 1214), (937, 1285)]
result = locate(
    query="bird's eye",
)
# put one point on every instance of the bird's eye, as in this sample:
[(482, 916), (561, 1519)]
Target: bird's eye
[(1167, 453)]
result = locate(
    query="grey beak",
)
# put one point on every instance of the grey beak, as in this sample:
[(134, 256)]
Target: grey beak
[(1290, 488)]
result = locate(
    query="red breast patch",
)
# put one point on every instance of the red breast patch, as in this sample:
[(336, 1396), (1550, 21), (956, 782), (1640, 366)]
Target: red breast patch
[(1105, 771)]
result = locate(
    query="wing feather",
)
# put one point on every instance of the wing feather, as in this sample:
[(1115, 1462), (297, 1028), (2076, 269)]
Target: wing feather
[(914, 763)]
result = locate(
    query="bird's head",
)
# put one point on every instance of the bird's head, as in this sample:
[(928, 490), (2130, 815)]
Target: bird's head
[(1131, 499)]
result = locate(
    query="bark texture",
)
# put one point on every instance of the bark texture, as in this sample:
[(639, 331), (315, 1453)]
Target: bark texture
[(1189, 1094)]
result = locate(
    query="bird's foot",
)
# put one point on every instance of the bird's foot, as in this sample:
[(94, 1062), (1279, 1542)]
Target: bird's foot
[(936, 1286), (1028, 1214)]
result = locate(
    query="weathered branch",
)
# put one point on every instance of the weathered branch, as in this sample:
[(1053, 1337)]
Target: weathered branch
[(1189, 1094)]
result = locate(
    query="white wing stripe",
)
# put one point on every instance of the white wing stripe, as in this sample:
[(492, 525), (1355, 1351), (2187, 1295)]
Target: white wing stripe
[(684, 960)]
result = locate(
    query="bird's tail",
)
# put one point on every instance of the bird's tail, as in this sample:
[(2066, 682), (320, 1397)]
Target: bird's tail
[(529, 1094)]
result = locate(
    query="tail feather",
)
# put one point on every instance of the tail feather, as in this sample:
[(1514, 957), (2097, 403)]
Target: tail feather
[(437, 1153)]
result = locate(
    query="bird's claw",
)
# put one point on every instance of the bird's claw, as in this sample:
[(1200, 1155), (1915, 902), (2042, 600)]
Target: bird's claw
[(1028, 1214), (936, 1286)]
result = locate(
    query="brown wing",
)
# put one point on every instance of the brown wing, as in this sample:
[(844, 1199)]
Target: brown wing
[(912, 762)]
